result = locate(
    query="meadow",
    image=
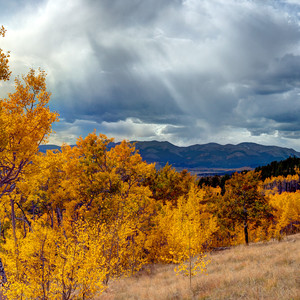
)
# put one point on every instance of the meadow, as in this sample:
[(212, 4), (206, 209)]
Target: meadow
[(265, 270)]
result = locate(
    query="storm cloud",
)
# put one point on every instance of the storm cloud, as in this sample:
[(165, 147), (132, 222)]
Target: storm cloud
[(183, 71)]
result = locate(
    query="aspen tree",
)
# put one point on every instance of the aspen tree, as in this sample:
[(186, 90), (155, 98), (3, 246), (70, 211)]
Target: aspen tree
[(183, 231), (25, 123), (287, 212)]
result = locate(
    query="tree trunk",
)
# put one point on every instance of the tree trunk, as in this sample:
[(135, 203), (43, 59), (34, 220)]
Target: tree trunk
[(246, 232), (13, 221), (246, 225), (190, 262)]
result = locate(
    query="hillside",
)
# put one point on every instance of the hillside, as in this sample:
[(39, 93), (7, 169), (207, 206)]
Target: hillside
[(260, 271), (282, 168), (209, 158)]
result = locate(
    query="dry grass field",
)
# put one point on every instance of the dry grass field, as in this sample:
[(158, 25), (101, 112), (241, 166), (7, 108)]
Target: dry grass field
[(260, 271)]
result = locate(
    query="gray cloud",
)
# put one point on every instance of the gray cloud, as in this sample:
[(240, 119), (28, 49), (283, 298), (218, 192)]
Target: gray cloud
[(184, 71), (131, 13)]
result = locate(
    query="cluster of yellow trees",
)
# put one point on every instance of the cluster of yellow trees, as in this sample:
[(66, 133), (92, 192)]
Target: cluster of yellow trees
[(71, 220), (79, 217)]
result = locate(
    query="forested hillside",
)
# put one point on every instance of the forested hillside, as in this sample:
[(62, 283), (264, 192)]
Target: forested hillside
[(279, 168)]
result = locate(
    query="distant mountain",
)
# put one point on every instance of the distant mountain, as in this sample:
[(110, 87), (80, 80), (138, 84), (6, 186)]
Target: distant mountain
[(209, 158), (213, 155), (44, 148)]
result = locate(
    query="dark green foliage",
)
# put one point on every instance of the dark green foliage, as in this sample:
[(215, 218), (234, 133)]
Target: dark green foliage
[(283, 168), (243, 203), (214, 181)]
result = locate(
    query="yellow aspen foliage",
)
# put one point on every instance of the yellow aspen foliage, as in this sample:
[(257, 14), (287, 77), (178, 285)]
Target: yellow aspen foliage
[(53, 264), (107, 181), (123, 250), (111, 182), (263, 232), (281, 184), (91, 182), (47, 187), (183, 231), (81, 264), (287, 212), (29, 270), (25, 123)]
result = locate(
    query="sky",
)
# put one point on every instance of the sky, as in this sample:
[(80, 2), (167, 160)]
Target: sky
[(183, 71)]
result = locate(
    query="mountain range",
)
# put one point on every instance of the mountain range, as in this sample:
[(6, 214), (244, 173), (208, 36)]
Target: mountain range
[(209, 158)]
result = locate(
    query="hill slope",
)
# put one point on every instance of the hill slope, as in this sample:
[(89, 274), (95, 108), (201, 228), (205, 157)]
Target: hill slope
[(260, 271)]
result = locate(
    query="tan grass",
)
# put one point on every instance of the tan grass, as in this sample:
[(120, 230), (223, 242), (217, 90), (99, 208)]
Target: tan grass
[(260, 271)]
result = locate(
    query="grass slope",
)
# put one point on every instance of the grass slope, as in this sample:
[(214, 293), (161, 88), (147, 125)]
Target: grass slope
[(260, 271)]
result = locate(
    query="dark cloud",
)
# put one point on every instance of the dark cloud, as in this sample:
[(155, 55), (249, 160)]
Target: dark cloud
[(282, 75), (185, 71)]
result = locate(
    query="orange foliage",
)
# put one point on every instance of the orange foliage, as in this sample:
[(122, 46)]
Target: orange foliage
[(25, 123)]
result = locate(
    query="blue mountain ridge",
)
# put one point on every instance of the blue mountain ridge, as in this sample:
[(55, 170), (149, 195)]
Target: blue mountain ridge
[(211, 158)]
